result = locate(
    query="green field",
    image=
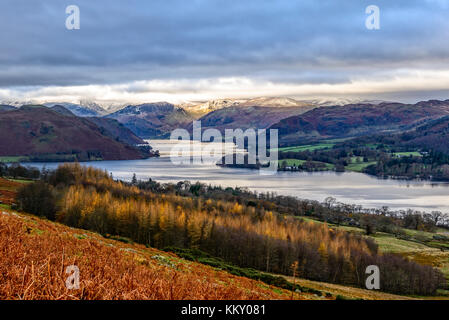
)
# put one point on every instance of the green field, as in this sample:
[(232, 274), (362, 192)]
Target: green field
[(21, 180), (354, 166), (358, 167), (408, 154), (389, 243), (308, 147), (292, 162), (11, 159), (372, 145), (296, 162), (50, 157)]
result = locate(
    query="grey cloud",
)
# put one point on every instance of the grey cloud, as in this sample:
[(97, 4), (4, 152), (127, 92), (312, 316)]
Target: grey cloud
[(277, 40)]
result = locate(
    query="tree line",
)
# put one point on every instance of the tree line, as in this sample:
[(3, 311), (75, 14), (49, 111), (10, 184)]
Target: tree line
[(18, 171)]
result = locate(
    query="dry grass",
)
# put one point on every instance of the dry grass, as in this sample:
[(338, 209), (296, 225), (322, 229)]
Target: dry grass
[(432, 257), (34, 255), (8, 190)]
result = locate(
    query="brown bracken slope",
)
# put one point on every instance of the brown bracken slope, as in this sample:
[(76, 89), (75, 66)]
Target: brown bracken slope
[(35, 254)]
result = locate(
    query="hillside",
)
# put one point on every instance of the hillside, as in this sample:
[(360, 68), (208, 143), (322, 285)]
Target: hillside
[(247, 237), (8, 190), (62, 110), (152, 120), (112, 269), (39, 251), (117, 131), (245, 117), (357, 120), (110, 127), (36, 252), (433, 135), (38, 132)]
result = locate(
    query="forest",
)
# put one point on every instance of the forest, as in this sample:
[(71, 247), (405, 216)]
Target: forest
[(246, 230)]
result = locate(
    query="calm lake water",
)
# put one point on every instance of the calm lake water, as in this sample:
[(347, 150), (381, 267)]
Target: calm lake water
[(348, 187)]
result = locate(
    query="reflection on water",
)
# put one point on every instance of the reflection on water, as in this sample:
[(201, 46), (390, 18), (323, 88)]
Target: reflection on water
[(190, 152), (349, 187)]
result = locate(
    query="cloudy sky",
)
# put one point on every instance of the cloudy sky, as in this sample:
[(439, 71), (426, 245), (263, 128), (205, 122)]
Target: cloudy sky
[(178, 50)]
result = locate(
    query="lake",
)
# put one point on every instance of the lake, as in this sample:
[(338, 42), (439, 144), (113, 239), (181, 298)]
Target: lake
[(348, 187)]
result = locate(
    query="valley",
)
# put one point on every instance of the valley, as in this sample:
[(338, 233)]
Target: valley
[(347, 187), (238, 151), (413, 153)]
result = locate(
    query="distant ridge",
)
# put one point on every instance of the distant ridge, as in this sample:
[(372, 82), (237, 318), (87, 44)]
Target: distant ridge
[(213, 105), (357, 120), (152, 120), (78, 110)]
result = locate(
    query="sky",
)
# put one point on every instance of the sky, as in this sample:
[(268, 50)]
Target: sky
[(196, 50)]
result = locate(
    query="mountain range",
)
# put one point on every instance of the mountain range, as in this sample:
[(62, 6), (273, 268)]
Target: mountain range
[(297, 122), (157, 120), (152, 120)]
